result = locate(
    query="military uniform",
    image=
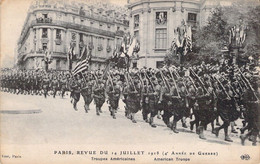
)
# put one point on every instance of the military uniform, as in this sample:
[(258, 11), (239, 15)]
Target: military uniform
[(153, 98), (86, 92), (133, 99), (45, 85), (75, 86), (99, 96), (113, 93)]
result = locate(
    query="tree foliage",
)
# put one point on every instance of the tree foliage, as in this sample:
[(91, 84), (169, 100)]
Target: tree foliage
[(210, 39)]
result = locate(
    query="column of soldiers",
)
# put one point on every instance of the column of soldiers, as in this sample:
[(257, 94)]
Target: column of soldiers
[(203, 93), (35, 82)]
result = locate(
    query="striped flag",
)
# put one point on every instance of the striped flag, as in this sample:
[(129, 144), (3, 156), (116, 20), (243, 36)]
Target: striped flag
[(71, 53), (83, 63), (188, 46)]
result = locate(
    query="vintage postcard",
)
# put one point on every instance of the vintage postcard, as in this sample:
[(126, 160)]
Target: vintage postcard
[(129, 81)]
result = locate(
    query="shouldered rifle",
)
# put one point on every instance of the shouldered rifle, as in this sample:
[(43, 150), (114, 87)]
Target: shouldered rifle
[(174, 83)]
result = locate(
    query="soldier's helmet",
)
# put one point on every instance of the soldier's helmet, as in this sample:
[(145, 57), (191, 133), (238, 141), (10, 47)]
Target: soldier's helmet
[(200, 91), (77, 76)]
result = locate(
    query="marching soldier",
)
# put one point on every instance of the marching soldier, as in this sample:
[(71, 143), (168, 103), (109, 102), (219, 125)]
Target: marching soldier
[(99, 95), (133, 98), (227, 111), (181, 108), (251, 104), (145, 101), (54, 85), (153, 100), (113, 92), (86, 92), (45, 85), (75, 86), (63, 85)]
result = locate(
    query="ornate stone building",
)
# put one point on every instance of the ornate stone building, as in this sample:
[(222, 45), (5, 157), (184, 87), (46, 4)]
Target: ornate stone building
[(154, 21), (54, 25)]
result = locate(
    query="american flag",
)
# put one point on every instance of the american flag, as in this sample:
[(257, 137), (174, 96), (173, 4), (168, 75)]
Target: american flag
[(83, 63), (71, 53)]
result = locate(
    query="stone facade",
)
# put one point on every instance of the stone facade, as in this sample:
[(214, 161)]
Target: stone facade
[(55, 25), (154, 22)]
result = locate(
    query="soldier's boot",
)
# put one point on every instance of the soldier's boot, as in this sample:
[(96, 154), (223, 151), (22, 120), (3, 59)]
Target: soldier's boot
[(227, 138), (100, 111), (174, 125), (86, 108), (125, 114), (232, 127), (133, 117), (197, 130), (97, 111), (113, 113), (243, 138), (235, 123), (152, 123), (216, 131), (212, 127), (242, 130), (217, 122), (110, 110), (244, 123), (75, 106), (253, 140), (128, 114), (166, 121), (191, 125), (226, 135), (184, 123), (145, 118), (201, 134), (159, 115)]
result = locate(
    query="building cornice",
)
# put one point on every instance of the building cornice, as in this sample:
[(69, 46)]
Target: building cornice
[(67, 25), (101, 19), (141, 2)]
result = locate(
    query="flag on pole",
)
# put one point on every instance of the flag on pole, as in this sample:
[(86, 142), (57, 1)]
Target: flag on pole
[(71, 53), (131, 48), (188, 45), (84, 61)]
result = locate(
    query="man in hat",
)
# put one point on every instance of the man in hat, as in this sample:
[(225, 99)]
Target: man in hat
[(113, 92), (251, 104), (54, 85), (86, 91), (45, 85), (226, 110), (63, 85), (153, 97), (133, 98), (145, 100), (181, 108), (75, 86), (99, 95)]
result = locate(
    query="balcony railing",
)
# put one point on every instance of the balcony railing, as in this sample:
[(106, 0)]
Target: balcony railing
[(69, 25), (83, 13), (43, 20)]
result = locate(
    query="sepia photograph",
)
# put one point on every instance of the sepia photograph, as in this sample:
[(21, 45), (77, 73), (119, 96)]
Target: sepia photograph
[(129, 81)]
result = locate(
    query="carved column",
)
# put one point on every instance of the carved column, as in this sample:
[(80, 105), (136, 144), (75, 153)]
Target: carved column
[(51, 40)]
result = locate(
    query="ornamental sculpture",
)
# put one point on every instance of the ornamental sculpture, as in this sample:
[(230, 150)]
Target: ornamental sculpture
[(237, 35)]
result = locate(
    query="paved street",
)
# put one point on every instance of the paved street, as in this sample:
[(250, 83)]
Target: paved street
[(34, 128), (27, 119)]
